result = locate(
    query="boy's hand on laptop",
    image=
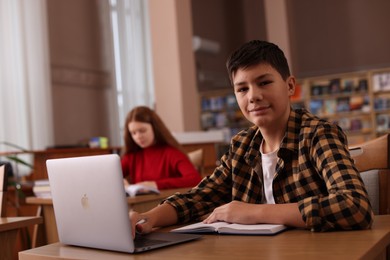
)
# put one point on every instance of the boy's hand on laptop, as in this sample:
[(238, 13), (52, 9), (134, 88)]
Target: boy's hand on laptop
[(139, 223)]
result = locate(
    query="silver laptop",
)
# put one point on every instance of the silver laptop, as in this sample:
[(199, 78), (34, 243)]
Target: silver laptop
[(91, 209)]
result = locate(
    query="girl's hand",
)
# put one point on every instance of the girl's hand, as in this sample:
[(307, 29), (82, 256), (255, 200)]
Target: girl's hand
[(126, 183)]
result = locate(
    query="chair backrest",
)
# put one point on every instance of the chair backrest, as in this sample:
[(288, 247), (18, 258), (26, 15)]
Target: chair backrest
[(373, 162), (196, 157), (3, 190)]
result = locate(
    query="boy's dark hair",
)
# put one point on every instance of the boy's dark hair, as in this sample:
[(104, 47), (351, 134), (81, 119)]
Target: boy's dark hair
[(256, 52)]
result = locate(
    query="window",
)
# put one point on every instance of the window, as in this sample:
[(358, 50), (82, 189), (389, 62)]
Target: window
[(132, 55), (25, 106)]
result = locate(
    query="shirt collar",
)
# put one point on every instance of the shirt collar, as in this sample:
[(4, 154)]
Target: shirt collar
[(290, 142)]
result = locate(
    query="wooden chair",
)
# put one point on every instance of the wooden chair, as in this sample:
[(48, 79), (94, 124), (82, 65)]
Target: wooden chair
[(196, 157), (373, 162), (3, 191)]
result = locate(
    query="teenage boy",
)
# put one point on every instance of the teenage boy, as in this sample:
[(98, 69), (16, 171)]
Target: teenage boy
[(289, 168)]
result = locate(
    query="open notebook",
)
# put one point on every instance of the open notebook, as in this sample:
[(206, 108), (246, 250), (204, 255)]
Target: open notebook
[(230, 228), (91, 209)]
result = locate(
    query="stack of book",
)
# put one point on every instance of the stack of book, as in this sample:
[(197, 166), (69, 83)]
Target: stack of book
[(41, 189)]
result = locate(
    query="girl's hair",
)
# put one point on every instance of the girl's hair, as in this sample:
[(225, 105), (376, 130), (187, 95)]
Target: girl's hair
[(162, 135)]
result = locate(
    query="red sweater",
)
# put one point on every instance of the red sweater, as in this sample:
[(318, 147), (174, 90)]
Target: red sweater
[(165, 165)]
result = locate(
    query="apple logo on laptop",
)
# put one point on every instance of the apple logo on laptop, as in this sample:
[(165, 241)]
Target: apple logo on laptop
[(85, 202)]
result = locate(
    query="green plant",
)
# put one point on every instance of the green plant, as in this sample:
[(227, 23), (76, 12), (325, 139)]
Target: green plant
[(13, 157), (12, 181)]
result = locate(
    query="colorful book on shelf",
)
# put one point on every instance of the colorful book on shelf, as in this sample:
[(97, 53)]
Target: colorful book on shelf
[(217, 103), (381, 103), (362, 85), (343, 104), (344, 123), (316, 106), (231, 101), (229, 228), (205, 104), (356, 124), (298, 94), (330, 106), (381, 82), (349, 85), (356, 102), (220, 120), (316, 90), (334, 86), (207, 120), (382, 122)]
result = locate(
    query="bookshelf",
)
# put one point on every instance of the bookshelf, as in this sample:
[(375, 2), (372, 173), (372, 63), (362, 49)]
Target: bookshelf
[(359, 102), (219, 110), (380, 81)]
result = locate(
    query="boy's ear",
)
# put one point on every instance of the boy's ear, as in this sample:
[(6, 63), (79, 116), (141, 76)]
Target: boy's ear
[(291, 85)]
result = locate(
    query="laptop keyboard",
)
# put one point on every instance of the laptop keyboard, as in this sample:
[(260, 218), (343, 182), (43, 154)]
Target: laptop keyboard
[(141, 241)]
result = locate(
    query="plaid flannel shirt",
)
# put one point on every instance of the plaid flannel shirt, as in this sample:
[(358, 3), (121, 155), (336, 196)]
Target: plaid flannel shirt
[(314, 169)]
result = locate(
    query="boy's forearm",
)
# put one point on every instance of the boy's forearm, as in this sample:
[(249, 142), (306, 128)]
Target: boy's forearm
[(162, 215), (287, 214)]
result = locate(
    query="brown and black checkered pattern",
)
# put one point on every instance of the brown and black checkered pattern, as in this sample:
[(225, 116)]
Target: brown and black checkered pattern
[(314, 169)]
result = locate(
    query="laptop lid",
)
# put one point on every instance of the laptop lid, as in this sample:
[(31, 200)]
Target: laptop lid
[(90, 204)]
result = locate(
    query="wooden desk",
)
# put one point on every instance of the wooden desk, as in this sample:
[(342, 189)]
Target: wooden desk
[(291, 244), (40, 157), (9, 228), (48, 234)]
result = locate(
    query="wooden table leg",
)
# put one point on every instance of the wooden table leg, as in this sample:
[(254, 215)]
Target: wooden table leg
[(7, 244)]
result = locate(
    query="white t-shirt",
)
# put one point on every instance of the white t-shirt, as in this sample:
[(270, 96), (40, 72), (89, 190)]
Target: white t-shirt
[(268, 161)]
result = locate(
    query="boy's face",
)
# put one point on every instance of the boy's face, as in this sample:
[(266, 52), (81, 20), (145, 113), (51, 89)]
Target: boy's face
[(263, 96)]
